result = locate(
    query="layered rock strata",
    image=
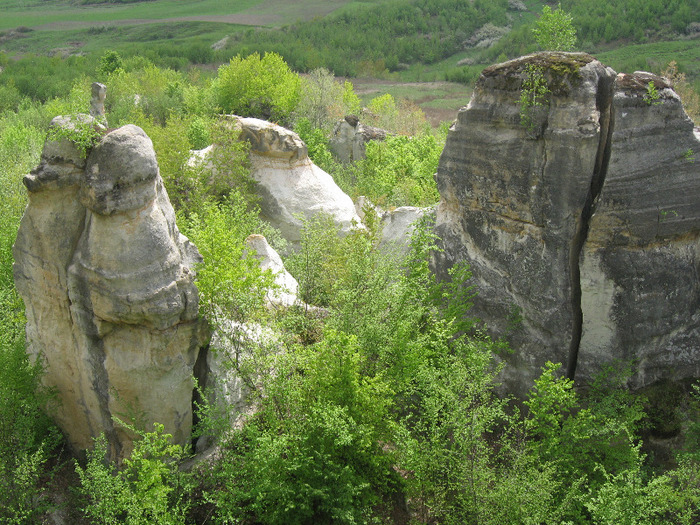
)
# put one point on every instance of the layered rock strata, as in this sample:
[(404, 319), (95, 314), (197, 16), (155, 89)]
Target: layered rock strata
[(107, 281), (581, 225)]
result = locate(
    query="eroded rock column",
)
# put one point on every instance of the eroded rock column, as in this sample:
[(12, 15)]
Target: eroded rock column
[(512, 203), (582, 232), (107, 280), (640, 266)]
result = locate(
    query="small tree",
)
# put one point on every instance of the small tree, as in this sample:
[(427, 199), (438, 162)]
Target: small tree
[(258, 87), (555, 31)]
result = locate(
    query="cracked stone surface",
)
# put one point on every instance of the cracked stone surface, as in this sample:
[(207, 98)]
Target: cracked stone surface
[(562, 227)]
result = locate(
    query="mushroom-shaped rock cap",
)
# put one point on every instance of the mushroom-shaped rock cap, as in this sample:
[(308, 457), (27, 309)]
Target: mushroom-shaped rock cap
[(121, 172)]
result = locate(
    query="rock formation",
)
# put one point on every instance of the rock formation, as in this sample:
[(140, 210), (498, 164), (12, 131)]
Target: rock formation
[(107, 282), (584, 228), (285, 293), (290, 186), (349, 138), (97, 103)]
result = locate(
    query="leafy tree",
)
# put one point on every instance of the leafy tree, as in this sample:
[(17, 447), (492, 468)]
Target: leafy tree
[(110, 62), (554, 30), (258, 87)]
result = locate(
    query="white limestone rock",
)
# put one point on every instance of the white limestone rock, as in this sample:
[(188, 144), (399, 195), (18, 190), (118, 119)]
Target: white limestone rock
[(285, 293), (107, 281)]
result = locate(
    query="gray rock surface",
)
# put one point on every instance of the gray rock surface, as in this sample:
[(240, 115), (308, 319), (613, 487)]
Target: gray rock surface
[(285, 293), (641, 261), (107, 281), (398, 226), (350, 137), (97, 103), (577, 229)]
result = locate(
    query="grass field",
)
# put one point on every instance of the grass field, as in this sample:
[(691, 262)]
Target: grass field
[(53, 15)]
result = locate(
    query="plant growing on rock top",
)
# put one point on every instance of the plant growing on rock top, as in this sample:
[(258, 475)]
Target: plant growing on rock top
[(652, 96), (82, 131), (534, 94)]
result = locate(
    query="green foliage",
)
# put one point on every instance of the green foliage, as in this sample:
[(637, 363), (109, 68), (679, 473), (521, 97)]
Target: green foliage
[(27, 437), (258, 87), (312, 453), (554, 30), (323, 99), (652, 96), (198, 133), (192, 183), (110, 62), (393, 33), (318, 145), (399, 171), (591, 444), (82, 132), (149, 489), (42, 78), (534, 95), (231, 285)]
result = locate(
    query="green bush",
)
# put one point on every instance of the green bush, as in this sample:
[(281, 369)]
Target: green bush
[(258, 87), (399, 171), (554, 30), (148, 489), (312, 453)]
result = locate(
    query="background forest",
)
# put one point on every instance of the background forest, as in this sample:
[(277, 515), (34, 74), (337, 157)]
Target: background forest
[(381, 410)]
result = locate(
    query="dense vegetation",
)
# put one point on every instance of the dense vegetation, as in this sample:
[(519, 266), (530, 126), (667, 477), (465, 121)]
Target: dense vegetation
[(377, 405)]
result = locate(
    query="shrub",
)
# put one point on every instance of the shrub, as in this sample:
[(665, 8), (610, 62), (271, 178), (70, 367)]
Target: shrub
[(258, 87), (554, 30), (149, 489), (399, 171)]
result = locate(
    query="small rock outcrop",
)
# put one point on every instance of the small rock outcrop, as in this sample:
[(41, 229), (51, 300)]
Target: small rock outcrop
[(586, 231), (107, 281), (349, 139), (398, 226), (291, 187), (97, 102), (286, 286)]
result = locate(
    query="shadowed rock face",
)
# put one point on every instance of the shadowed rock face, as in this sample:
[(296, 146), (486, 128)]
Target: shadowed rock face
[(563, 226), (107, 280)]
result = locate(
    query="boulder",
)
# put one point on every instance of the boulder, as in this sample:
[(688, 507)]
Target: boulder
[(585, 231), (291, 187), (108, 284), (285, 293)]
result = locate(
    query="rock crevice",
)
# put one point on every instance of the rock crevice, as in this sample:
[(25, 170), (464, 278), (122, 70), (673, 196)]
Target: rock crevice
[(606, 124)]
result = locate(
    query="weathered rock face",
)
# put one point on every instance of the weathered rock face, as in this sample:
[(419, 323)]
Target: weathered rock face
[(107, 282), (563, 227), (398, 226), (290, 185), (349, 139), (641, 261)]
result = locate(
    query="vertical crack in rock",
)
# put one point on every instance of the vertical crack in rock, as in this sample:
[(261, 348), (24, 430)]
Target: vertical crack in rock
[(604, 98)]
